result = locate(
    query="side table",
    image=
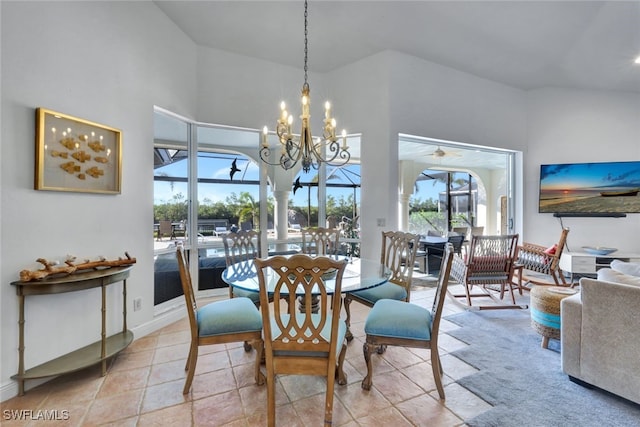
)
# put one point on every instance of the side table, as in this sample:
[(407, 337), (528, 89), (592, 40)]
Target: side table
[(92, 354), (545, 310)]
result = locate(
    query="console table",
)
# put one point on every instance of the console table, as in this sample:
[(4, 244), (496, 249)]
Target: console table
[(585, 264), (99, 351)]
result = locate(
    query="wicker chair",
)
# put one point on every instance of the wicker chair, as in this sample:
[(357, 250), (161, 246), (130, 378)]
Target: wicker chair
[(542, 260), (489, 266)]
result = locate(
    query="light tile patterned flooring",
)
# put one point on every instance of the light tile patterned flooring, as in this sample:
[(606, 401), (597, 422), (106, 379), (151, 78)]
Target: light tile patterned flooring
[(144, 384)]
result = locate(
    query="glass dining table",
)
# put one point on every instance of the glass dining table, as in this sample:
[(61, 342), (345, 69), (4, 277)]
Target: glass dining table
[(359, 274)]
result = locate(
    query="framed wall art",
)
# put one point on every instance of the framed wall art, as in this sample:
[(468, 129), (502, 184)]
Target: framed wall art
[(73, 154)]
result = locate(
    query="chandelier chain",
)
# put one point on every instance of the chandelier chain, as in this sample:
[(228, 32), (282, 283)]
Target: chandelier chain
[(302, 147), (306, 50)]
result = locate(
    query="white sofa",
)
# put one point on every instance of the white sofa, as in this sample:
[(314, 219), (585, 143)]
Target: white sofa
[(600, 332)]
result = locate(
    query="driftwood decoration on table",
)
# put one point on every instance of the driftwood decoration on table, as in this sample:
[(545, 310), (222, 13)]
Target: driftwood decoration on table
[(51, 268)]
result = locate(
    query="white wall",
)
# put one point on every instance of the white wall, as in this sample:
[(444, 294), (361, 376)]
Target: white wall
[(107, 62), (393, 93), (237, 90), (361, 91), (570, 126)]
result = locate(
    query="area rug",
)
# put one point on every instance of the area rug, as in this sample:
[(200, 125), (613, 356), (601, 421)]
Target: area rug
[(524, 382)]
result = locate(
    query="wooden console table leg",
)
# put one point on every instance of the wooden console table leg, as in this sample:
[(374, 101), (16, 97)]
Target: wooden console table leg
[(124, 306), (21, 346), (103, 349)]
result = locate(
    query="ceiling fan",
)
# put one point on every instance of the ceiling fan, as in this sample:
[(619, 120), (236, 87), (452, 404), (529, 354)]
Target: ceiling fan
[(439, 153)]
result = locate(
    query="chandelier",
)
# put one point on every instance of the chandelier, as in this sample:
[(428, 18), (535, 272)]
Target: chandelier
[(296, 148)]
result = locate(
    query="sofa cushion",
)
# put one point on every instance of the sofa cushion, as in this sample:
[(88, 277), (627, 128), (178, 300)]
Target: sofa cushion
[(610, 275), (631, 268)]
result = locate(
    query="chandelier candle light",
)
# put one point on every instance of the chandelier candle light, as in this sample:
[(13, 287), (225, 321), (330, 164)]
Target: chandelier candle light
[(295, 148)]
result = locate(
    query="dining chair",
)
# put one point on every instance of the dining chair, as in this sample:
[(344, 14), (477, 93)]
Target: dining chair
[(220, 322), (241, 246), (320, 240), (399, 255), (489, 266), (302, 343), (398, 323)]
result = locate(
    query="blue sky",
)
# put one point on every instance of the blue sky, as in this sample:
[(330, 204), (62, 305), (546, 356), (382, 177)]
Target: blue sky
[(218, 167), (589, 175)]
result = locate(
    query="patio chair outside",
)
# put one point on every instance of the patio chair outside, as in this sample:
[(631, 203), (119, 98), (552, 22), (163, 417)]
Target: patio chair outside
[(165, 228)]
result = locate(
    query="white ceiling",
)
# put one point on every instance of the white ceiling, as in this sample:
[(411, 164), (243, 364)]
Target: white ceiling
[(525, 44)]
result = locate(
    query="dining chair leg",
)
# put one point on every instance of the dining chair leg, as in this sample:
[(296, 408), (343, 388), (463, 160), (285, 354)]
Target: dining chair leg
[(347, 320), (191, 363), (340, 374), (440, 364), (186, 364), (328, 400), (367, 349), (436, 367), (259, 346), (271, 396)]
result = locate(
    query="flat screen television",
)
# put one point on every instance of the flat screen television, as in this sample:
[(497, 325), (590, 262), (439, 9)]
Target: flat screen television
[(585, 189)]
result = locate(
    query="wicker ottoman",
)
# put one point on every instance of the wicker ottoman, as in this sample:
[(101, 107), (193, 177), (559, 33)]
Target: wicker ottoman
[(545, 310)]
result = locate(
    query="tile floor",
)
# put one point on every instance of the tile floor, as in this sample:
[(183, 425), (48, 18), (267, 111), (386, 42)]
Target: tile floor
[(144, 384)]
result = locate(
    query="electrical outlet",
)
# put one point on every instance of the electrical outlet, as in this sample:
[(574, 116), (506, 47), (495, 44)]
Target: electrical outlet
[(137, 304), (381, 222)]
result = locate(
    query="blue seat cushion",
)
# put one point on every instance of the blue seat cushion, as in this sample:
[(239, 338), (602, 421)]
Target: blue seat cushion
[(253, 296), (398, 319), (324, 333), (227, 317), (387, 290)]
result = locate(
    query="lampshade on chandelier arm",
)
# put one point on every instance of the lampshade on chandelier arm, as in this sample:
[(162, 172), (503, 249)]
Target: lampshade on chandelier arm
[(295, 148)]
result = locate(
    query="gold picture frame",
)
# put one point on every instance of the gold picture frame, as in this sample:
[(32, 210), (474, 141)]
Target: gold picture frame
[(73, 154)]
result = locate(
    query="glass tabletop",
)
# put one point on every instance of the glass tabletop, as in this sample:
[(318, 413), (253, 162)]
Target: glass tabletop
[(359, 274)]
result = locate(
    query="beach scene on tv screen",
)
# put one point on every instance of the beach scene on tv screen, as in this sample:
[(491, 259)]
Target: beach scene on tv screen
[(590, 188)]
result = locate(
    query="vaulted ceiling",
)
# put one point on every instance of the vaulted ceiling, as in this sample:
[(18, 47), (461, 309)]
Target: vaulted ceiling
[(524, 44)]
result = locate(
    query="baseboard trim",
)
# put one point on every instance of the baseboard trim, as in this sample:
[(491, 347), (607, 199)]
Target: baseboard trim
[(159, 321)]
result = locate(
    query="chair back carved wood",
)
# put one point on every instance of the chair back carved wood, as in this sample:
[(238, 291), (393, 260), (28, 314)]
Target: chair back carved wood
[(320, 241), (302, 343), (398, 253)]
